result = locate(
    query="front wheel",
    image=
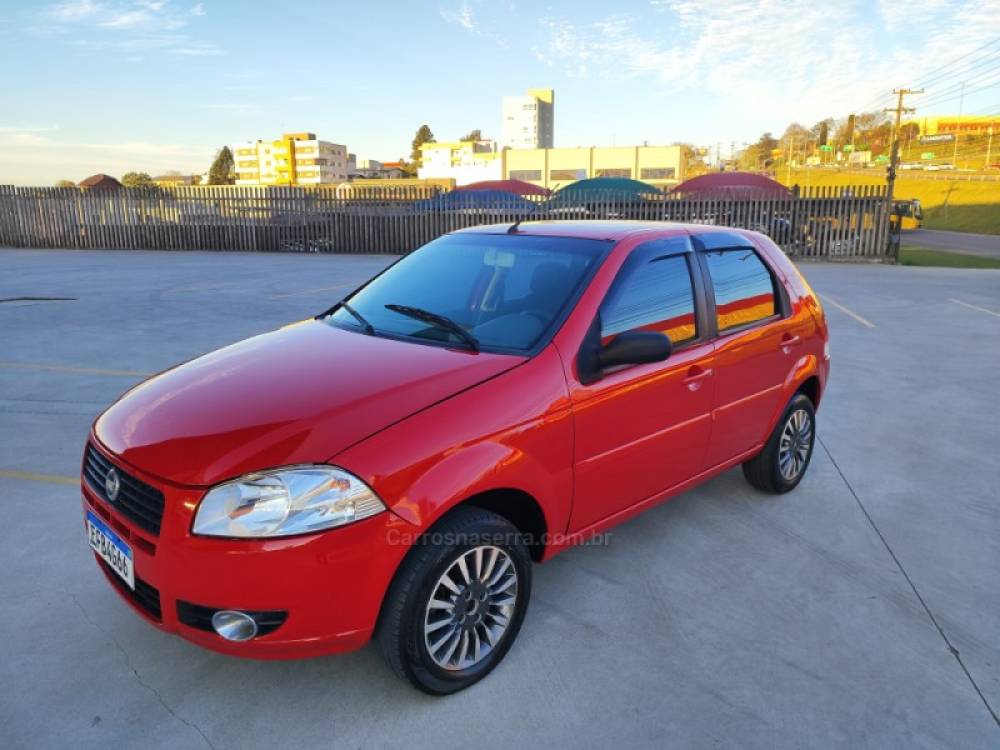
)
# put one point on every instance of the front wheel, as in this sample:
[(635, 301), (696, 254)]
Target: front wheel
[(457, 603), (780, 466)]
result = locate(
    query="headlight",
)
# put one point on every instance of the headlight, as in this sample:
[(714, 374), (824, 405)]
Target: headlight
[(282, 502)]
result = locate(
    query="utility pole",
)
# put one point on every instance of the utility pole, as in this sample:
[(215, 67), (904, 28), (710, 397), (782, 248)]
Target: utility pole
[(989, 147), (894, 159), (788, 164)]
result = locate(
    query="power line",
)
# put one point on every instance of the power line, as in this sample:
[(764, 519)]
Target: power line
[(978, 77), (934, 74), (966, 92)]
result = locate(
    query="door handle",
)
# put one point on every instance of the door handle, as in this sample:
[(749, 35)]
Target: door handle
[(789, 339), (695, 375)]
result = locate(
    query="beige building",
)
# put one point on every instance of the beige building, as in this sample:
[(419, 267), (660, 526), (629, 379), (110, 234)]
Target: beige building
[(463, 161), (294, 159), (662, 166)]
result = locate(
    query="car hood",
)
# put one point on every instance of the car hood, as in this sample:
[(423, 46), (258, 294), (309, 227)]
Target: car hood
[(297, 395)]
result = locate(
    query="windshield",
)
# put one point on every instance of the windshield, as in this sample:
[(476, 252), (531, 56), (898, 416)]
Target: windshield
[(504, 291)]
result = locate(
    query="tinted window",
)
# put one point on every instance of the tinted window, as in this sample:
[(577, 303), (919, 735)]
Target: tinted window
[(652, 292), (744, 290), (506, 290)]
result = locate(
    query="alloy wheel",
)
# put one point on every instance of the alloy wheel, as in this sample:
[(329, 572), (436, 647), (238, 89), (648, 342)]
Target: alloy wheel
[(470, 608), (795, 444)]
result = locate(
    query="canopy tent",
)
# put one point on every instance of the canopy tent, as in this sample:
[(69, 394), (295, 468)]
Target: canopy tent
[(732, 185), (603, 189), (517, 187), (496, 200)]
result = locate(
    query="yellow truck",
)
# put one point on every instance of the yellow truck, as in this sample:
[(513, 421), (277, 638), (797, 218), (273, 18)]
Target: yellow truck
[(906, 214)]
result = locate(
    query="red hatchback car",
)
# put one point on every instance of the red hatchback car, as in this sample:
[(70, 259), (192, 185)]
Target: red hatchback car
[(391, 468)]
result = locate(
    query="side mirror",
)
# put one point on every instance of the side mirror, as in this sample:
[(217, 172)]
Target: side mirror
[(635, 348), (628, 348)]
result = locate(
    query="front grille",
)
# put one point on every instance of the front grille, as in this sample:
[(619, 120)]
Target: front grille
[(197, 616), (144, 596), (137, 501)]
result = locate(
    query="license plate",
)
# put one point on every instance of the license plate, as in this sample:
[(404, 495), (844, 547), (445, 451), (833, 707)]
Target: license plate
[(115, 552)]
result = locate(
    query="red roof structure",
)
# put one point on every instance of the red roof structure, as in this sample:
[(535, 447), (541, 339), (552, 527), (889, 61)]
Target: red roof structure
[(518, 187), (732, 185), (100, 182)]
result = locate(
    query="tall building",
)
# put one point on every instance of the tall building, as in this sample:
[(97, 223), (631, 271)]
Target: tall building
[(463, 161), (528, 120), (294, 159)]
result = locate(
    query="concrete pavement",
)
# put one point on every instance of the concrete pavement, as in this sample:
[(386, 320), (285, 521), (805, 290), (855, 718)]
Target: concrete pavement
[(861, 610)]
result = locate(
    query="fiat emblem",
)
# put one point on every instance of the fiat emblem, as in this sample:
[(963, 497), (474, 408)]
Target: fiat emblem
[(112, 484)]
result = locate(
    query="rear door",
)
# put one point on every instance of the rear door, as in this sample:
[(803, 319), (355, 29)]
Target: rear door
[(642, 429), (755, 346)]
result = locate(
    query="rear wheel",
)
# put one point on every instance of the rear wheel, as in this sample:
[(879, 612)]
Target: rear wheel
[(780, 466), (457, 602)]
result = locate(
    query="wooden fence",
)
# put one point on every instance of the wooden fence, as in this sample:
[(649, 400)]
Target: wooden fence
[(821, 222)]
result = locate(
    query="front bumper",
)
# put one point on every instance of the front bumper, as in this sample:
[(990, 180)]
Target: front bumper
[(331, 584)]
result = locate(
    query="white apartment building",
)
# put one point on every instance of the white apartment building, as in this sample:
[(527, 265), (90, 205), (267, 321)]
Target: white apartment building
[(294, 159), (528, 121), (463, 161)]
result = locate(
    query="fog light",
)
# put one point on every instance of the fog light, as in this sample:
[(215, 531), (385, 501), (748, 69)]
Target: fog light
[(234, 626)]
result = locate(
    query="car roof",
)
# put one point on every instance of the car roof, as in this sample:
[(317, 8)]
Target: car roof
[(594, 229)]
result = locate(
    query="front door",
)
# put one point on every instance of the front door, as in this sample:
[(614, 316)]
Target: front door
[(645, 428)]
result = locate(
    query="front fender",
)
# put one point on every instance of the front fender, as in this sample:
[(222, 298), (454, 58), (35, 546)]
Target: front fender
[(474, 470), (512, 432)]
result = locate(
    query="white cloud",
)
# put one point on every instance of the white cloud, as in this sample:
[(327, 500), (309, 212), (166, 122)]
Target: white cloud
[(235, 108), (802, 59), (28, 129), (30, 159), (466, 16), (126, 26), (174, 44), (462, 16), (129, 19), (74, 10), (305, 98)]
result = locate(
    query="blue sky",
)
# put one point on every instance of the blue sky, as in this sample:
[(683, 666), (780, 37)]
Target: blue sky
[(115, 85)]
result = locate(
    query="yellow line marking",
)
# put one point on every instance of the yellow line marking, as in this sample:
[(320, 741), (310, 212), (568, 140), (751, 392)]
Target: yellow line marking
[(974, 307), (313, 291), (846, 311), (32, 477), (79, 370)]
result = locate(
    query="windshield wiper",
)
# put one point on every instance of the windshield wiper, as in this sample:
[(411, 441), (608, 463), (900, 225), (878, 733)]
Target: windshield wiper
[(365, 325), (439, 320)]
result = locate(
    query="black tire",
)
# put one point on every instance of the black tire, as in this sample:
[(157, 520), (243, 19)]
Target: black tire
[(400, 635), (764, 471)]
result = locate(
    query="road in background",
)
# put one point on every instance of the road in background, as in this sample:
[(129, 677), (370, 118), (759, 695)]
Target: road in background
[(986, 245), (843, 614)]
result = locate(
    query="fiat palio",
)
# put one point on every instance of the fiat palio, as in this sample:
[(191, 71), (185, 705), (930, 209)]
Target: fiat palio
[(390, 469)]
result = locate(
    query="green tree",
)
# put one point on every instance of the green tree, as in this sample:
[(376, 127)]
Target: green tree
[(140, 180), (65, 183), (821, 130), (222, 171), (472, 135), (424, 135)]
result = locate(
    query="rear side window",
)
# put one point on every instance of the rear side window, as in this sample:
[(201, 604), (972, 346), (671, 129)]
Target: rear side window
[(652, 292), (744, 289)]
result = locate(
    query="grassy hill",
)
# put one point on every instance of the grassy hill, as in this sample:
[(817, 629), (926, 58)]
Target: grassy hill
[(956, 205)]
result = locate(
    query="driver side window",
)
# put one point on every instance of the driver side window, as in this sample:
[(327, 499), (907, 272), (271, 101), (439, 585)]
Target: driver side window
[(652, 292)]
